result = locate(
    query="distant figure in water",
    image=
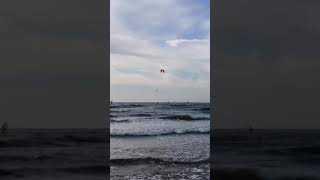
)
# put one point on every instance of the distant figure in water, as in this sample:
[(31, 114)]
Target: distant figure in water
[(4, 129), (110, 102)]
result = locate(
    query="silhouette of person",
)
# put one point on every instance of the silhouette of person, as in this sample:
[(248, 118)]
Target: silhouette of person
[(4, 129)]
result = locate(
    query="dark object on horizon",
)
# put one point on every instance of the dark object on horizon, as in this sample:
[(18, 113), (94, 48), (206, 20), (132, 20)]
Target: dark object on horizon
[(162, 71), (4, 129)]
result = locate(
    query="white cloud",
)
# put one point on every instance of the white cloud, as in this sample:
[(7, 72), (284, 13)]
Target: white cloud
[(177, 42)]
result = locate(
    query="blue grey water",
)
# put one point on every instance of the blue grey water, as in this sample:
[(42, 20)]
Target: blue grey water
[(266, 154), (47, 154), (160, 141)]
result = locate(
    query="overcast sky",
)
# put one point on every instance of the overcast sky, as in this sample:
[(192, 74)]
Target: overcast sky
[(268, 63), (147, 36), (53, 63)]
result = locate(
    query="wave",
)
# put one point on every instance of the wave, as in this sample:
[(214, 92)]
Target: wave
[(181, 105), (306, 150), (141, 115), (176, 132), (204, 110), (120, 121), (24, 158), (126, 106), (13, 158), (62, 141), (150, 160), (254, 174), (96, 169), (27, 143), (93, 169), (5, 172), (78, 139), (184, 118), (237, 174)]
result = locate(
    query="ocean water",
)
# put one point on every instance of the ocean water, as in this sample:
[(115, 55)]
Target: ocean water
[(160, 141), (47, 154), (266, 154)]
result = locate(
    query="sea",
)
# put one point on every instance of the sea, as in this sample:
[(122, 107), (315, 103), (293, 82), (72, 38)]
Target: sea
[(160, 141), (50, 154), (165, 140), (266, 154)]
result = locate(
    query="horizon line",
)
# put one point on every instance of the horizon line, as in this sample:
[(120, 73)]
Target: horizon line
[(160, 101)]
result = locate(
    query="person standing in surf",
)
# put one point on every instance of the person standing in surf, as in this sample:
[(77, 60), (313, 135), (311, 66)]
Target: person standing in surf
[(4, 129)]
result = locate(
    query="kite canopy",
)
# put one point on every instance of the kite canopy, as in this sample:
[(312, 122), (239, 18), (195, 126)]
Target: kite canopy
[(162, 71)]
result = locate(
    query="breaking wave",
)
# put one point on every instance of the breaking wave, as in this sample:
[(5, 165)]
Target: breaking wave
[(174, 132), (150, 160), (184, 117)]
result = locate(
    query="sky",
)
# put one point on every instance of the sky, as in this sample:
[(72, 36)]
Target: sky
[(53, 63), (146, 36), (267, 63)]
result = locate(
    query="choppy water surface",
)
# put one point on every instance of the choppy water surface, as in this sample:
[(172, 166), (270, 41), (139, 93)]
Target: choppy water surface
[(266, 154), (160, 141), (54, 154)]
